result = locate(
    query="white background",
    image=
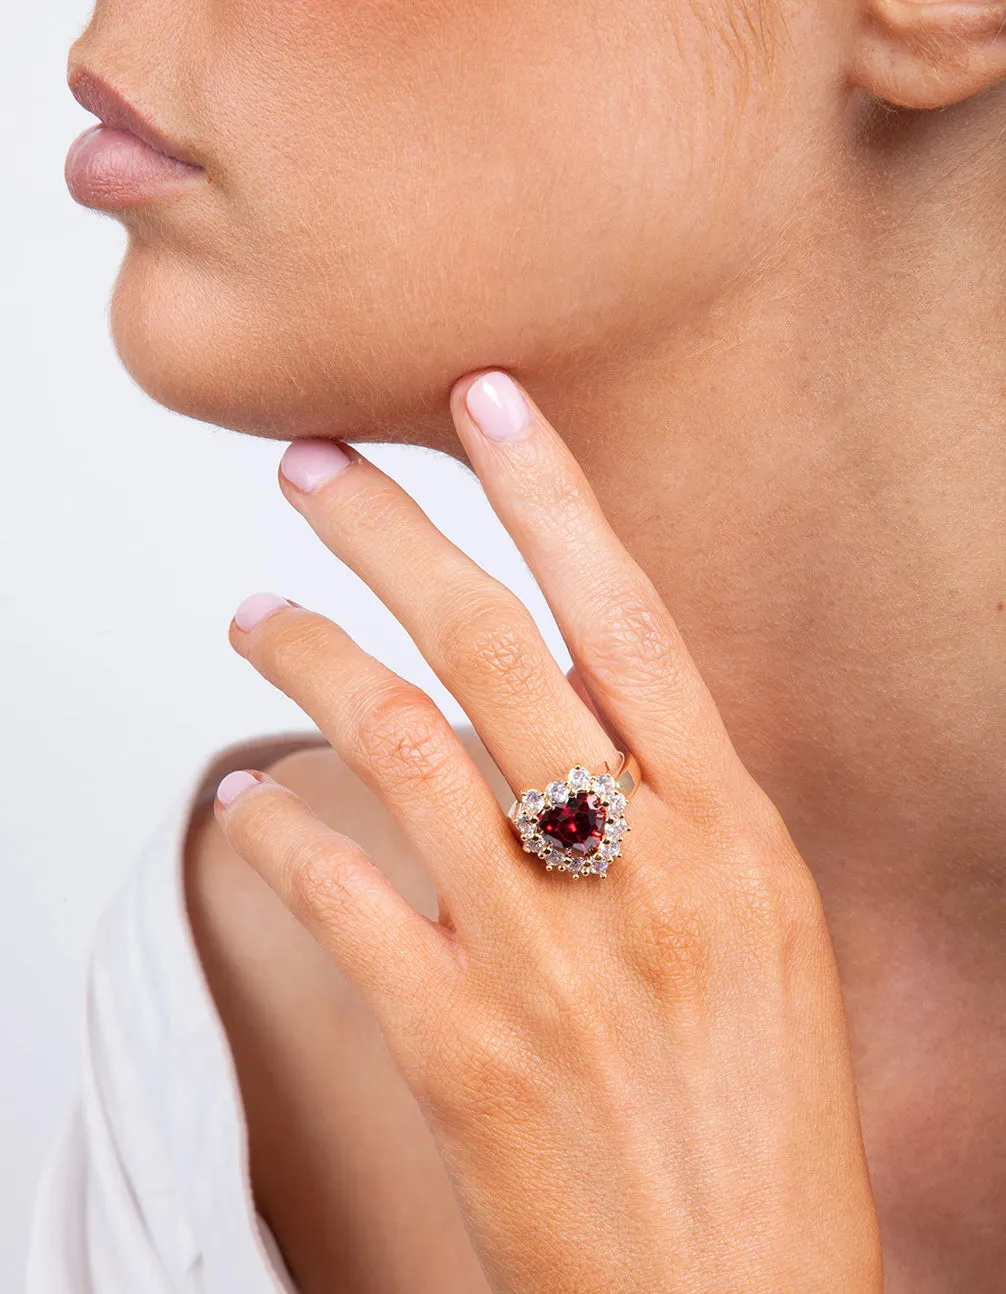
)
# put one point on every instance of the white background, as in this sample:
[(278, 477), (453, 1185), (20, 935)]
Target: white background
[(127, 537)]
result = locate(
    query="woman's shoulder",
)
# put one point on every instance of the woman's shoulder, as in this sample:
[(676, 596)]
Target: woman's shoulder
[(150, 1189)]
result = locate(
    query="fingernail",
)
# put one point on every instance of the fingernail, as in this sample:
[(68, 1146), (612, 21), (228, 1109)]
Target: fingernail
[(256, 608), (307, 464), (235, 784), (495, 402)]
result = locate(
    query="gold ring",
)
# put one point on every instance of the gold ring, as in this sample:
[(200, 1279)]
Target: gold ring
[(577, 823)]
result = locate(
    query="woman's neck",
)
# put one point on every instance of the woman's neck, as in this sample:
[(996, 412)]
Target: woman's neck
[(815, 478)]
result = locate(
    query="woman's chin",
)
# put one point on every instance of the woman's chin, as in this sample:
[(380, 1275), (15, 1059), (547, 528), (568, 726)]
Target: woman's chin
[(195, 350), (193, 355)]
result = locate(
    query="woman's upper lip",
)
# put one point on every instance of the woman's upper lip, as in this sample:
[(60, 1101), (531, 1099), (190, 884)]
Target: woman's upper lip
[(113, 109)]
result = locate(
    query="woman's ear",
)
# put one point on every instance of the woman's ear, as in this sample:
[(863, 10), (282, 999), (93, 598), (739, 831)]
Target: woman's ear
[(929, 53)]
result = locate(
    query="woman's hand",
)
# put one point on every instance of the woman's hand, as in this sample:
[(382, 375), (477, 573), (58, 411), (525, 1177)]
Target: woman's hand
[(637, 1083)]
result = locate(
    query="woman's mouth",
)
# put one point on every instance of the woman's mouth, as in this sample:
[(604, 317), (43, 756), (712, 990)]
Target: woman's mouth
[(125, 160)]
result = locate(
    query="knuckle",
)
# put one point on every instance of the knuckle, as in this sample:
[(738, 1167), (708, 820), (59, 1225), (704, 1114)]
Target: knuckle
[(758, 819), (496, 1068), (488, 1050), (671, 943), (724, 806), (773, 902), (635, 631), (743, 898), (705, 797), (402, 736), (566, 1005), (314, 893), (494, 640), (336, 795)]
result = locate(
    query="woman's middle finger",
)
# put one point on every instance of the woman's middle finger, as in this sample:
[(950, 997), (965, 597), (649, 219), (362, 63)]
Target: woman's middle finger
[(623, 640), (479, 638)]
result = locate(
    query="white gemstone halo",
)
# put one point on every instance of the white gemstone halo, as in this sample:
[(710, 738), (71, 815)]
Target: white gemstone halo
[(576, 825)]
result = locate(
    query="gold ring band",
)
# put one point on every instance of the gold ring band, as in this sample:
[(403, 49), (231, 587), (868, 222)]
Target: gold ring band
[(626, 774)]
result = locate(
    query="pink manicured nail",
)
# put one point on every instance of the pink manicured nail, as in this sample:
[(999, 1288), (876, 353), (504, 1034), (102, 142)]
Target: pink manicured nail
[(496, 404), (235, 784), (307, 464), (256, 608)]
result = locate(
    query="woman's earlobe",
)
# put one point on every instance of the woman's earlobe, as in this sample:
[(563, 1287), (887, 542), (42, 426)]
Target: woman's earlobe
[(930, 53)]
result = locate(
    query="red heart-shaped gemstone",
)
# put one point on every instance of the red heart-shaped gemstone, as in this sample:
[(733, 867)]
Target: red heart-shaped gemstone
[(578, 825)]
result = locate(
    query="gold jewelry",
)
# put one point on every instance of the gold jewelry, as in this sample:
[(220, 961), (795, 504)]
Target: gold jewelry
[(577, 823)]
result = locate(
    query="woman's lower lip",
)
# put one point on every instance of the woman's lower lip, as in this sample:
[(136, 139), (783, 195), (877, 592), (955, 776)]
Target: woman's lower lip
[(111, 170)]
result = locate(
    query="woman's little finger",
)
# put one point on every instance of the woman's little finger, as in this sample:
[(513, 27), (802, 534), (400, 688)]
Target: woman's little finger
[(393, 954)]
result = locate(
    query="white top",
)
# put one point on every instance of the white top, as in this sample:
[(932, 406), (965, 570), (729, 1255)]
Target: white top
[(148, 1191)]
